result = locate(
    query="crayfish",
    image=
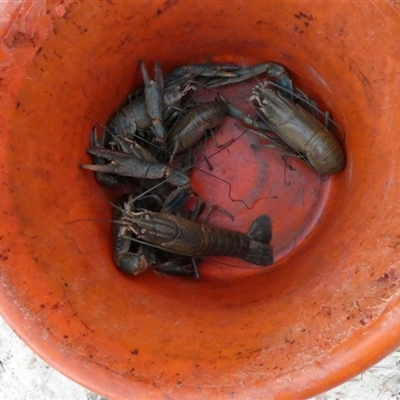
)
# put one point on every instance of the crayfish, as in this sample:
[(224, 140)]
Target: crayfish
[(141, 144)]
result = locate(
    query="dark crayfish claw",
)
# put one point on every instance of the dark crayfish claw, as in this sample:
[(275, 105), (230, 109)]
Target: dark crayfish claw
[(104, 179), (206, 70), (177, 265), (134, 263), (154, 95), (125, 164), (272, 69)]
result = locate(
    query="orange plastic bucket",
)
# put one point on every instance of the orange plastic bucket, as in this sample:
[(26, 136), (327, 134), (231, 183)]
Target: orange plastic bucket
[(327, 309)]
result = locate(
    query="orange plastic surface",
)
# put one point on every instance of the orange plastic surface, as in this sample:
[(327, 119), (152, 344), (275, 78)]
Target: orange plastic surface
[(326, 310)]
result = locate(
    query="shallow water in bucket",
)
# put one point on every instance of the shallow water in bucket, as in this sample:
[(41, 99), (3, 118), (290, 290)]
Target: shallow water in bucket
[(327, 309)]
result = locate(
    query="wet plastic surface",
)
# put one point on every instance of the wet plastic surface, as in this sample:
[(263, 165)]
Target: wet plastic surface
[(326, 310)]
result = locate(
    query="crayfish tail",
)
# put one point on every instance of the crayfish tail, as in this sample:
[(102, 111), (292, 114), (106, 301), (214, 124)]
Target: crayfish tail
[(261, 229), (259, 254)]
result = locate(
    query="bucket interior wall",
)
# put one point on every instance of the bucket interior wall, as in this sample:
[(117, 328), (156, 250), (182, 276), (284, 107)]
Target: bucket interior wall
[(326, 310)]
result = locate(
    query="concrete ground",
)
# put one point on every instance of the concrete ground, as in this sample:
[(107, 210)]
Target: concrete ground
[(24, 376)]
